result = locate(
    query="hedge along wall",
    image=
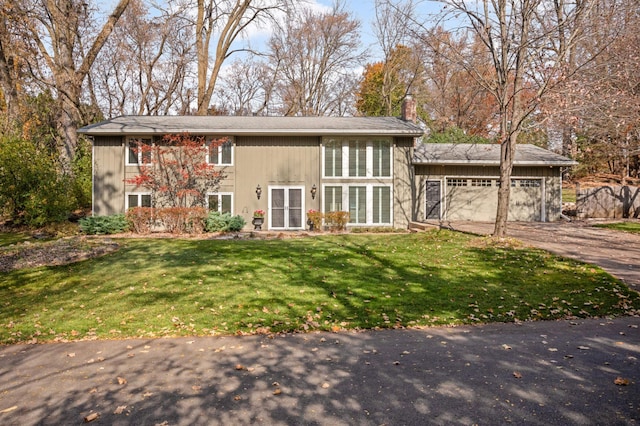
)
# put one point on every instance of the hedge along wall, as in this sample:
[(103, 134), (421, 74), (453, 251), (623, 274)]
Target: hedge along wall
[(609, 202)]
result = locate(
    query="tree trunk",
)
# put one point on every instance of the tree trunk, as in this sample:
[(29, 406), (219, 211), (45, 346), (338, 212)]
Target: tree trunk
[(507, 150)]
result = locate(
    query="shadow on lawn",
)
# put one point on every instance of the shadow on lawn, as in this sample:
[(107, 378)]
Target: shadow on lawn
[(439, 376)]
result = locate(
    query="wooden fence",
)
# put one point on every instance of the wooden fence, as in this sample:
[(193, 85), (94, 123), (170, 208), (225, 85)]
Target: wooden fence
[(610, 202)]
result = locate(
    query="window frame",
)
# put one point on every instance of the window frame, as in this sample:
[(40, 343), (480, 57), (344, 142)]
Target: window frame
[(139, 155), (371, 171), (219, 156), (139, 195), (219, 195), (369, 188)]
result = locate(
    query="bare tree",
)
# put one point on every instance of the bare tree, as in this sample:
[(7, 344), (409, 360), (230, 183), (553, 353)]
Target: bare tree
[(227, 20), (146, 63), (518, 36), (309, 56), (60, 32)]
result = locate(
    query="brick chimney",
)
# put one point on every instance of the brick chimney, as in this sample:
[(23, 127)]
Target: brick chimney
[(409, 109)]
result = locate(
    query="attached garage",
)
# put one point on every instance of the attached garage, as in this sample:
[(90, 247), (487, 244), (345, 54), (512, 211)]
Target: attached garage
[(460, 182)]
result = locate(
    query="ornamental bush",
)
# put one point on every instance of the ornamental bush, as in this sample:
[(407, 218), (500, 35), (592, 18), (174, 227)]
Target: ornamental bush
[(224, 222), (337, 221), (104, 225), (181, 220)]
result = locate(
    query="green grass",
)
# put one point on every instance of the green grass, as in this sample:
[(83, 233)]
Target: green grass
[(568, 195), (167, 287), (621, 226), (9, 238)]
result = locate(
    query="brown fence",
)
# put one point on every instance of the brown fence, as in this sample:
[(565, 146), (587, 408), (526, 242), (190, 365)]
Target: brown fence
[(611, 202)]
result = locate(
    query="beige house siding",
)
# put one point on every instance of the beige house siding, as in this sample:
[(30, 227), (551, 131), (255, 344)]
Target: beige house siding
[(108, 175), (536, 196), (406, 187), (274, 162)]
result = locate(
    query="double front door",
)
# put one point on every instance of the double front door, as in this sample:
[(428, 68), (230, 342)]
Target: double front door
[(286, 207)]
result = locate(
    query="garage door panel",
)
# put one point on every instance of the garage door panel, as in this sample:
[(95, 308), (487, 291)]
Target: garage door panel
[(472, 203)]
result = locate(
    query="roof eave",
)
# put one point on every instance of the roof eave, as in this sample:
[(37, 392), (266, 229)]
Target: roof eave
[(241, 132), (494, 163)]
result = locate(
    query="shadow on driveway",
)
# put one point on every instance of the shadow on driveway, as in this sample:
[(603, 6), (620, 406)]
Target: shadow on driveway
[(533, 373)]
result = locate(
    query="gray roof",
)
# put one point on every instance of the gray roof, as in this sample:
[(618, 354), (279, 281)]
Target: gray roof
[(485, 155), (254, 126)]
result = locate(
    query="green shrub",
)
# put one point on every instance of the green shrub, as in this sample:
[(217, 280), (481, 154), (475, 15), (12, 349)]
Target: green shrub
[(32, 191), (224, 222), (101, 225)]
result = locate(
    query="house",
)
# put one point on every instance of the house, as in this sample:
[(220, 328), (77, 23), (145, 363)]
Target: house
[(460, 182), (282, 165), (368, 166)]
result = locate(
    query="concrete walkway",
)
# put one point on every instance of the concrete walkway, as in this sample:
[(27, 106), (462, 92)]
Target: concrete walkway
[(584, 372), (616, 252)]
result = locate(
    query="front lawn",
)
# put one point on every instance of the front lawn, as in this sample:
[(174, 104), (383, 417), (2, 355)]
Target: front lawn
[(621, 226), (167, 287)]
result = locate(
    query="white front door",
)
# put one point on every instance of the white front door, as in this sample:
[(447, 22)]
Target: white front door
[(286, 207)]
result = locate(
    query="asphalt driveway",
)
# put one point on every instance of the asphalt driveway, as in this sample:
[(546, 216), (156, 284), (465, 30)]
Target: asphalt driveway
[(541, 373), (614, 251)]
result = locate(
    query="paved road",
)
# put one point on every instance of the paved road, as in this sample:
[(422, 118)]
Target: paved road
[(616, 252), (542, 373)]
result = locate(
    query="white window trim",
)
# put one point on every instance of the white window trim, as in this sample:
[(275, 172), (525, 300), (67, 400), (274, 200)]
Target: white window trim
[(369, 206), (127, 147), (220, 194), (220, 163), (139, 194), (368, 154)]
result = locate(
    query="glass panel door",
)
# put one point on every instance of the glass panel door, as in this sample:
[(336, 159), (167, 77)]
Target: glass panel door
[(277, 208), (295, 208)]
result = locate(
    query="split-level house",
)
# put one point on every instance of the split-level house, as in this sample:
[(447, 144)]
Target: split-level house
[(371, 167)]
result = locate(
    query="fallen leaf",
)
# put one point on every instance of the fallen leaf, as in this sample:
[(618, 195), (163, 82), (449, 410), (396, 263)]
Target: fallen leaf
[(94, 390), (396, 362), (517, 375), (6, 410), (237, 398), (275, 384), (621, 381), (277, 391), (553, 350), (584, 348), (239, 367), (71, 354), (196, 388), (91, 417), (506, 347), (325, 385), (122, 381), (120, 409)]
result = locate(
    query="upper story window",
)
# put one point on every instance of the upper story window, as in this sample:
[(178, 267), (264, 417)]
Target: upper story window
[(220, 151), (333, 159), (359, 158), (138, 151)]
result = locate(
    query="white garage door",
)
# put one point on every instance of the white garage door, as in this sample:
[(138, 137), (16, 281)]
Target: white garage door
[(477, 199)]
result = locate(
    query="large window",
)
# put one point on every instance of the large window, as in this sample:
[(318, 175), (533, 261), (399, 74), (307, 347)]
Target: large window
[(220, 202), (221, 153), (332, 198), (381, 204), (358, 204), (381, 158), (357, 158), (333, 159), (138, 151), (137, 200)]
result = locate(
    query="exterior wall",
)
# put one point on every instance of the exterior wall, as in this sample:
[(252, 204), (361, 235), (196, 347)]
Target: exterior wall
[(108, 175), (274, 162), (543, 203), (406, 188)]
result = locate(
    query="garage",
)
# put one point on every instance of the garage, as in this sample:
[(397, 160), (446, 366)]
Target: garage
[(460, 182)]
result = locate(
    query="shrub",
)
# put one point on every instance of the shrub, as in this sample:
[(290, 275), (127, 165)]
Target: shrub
[(180, 220), (315, 219), (101, 225), (140, 219), (224, 222), (32, 191), (337, 221)]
